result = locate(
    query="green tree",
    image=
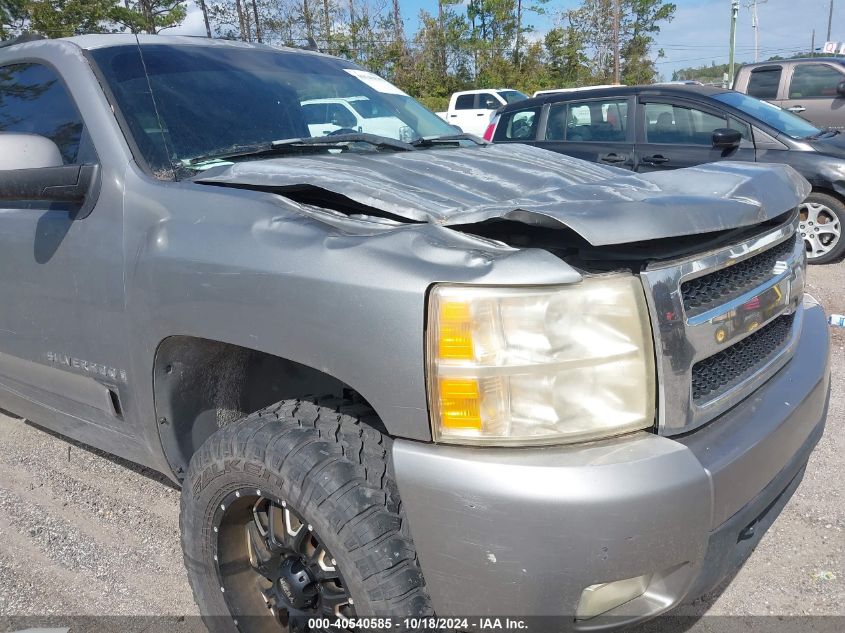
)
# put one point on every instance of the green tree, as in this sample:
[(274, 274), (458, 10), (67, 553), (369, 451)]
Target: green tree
[(64, 18), (12, 17), (567, 59), (639, 25), (437, 63), (149, 16)]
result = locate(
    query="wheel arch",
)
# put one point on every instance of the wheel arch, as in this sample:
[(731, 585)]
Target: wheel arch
[(830, 190), (201, 385)]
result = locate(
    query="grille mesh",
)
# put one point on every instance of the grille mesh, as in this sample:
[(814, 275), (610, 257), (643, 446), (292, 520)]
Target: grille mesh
[(714, 376), (719, 287)]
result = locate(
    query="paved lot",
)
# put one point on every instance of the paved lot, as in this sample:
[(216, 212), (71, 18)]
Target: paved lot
[(82, 533)]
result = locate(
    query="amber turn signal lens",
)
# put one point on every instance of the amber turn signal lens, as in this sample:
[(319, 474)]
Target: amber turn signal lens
[(455, 342), (460, 403)]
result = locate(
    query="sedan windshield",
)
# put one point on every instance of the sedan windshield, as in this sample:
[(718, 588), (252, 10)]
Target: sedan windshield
[(182, 104), (783, 121)]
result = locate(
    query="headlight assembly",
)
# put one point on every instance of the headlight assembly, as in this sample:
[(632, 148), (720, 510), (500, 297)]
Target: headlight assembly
[(539, 365)]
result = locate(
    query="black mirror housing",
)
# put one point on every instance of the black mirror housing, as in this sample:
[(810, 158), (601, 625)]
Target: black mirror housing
[(726, 138), (68, 183), (840, 88)]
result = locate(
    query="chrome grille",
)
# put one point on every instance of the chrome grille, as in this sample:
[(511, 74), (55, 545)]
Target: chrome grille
[(702, 293), (723, 323), (722, 372)]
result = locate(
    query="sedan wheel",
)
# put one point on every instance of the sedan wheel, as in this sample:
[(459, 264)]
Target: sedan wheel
[(820, 226)]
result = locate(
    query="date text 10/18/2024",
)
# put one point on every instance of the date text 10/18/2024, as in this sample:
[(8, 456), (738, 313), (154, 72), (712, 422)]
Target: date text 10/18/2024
[(434, 624)]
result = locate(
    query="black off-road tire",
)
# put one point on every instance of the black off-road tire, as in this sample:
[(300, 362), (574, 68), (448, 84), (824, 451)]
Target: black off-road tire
[(334, 468)]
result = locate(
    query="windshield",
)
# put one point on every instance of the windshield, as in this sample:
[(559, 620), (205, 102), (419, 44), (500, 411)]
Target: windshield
[(183, 103), (512, 96), (783, 121)]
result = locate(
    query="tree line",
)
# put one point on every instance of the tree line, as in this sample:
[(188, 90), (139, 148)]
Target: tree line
[(714, 73), (459, 44)]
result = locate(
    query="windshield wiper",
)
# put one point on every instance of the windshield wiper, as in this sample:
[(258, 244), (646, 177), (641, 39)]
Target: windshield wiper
[(822, 134), (305, 144), (381, 142), (429, 141)]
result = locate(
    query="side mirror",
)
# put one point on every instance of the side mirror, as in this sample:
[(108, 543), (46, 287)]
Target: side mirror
[(32, 170), (28, 151), (725, 138), (840, 88)]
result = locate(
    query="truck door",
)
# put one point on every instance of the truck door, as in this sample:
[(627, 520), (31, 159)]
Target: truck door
[(472, 111), (63, 347), (813, 94), (463, 111), (673, 134)]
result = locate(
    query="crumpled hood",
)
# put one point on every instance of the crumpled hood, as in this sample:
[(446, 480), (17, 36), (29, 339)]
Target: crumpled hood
[(604, 205)]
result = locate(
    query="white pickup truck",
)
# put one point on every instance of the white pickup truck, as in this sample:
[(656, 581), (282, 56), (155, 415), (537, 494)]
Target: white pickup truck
[(471, 110)]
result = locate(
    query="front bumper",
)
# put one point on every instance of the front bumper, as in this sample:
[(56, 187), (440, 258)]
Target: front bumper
[(522, 532)]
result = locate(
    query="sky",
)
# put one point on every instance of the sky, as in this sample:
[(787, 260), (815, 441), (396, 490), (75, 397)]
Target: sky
[(699, 33)]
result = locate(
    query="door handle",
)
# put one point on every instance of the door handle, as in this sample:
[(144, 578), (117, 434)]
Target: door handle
[(480, 113), (657, 159), (612, 157), (453, 116), (796, 108)]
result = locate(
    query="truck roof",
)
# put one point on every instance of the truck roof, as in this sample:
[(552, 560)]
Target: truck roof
[(107, 40), (479, 90), (796, 60)]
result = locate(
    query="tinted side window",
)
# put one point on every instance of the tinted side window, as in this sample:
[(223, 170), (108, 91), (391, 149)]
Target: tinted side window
[(763, 84), (556, 124), (34, 100), (518, 126), (814, 80), (315, 113), (486, 101), (596, 121), (740, 127), (465, 102), (340, 116), (667, 123)]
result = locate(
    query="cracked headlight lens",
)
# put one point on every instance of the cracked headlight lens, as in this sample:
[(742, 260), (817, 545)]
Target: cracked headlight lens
[(540, 365)]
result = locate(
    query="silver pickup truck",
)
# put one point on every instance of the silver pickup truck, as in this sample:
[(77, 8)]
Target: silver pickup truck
[(398, 377)]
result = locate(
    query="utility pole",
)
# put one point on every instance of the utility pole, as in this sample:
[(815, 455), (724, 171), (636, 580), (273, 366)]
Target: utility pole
[(616, 42), (755, 24), (734, 14), (829, 20), (813, 43)]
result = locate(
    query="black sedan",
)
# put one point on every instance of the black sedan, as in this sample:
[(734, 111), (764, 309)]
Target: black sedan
[(648, 128)]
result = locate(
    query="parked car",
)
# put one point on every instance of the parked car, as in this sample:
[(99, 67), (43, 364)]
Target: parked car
[(812, 87), (397, 379), (351, 115), (658, 128), (471, 110)]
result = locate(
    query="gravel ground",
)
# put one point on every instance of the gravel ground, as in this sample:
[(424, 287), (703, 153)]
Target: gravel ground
[(85, 534)]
